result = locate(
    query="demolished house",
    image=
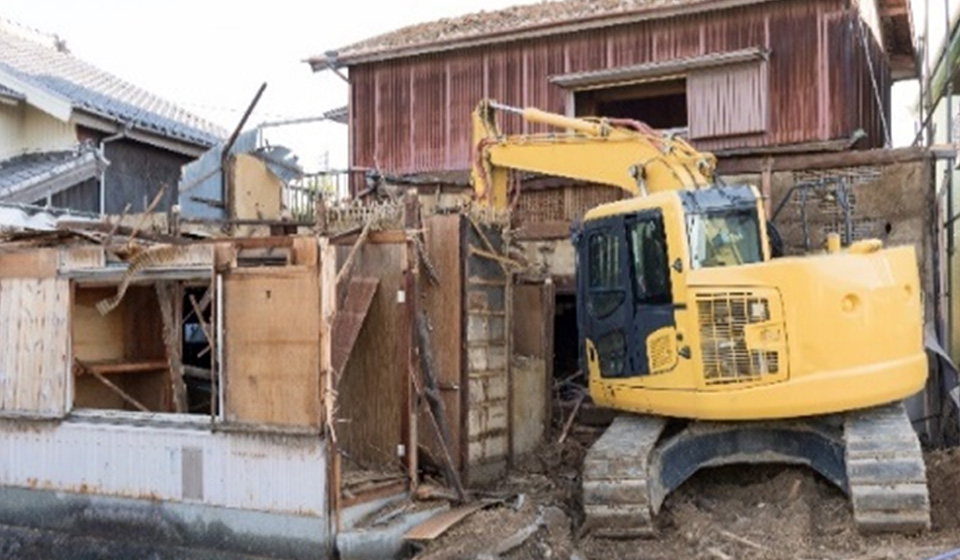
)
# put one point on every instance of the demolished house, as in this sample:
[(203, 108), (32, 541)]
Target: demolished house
[(276, 371)]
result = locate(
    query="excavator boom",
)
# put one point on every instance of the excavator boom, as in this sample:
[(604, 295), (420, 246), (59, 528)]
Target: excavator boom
[(622, 153)]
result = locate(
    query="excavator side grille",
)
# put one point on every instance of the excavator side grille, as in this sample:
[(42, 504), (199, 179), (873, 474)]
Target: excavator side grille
[(727, 358)]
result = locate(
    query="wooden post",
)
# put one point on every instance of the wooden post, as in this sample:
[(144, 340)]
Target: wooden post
[(328, 303), (170, 298)]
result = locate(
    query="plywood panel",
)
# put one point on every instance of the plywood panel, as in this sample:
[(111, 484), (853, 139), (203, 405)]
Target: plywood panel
[(371, 391), (256, 193), (34, 345), (34, 263), (444, 308), (271, 346)]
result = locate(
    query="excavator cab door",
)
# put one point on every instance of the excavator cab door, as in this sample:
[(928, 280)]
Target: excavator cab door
[(624, 292)]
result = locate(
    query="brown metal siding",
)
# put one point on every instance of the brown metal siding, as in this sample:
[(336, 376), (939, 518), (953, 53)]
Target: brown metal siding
[(819, 88)]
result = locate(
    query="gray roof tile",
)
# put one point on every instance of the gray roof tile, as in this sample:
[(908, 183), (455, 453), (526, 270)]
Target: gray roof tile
[(21, 174), (43, 64)]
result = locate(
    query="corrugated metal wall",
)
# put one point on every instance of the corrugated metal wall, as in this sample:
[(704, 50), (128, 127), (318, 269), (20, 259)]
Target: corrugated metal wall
[(413, 115), (284, 474)]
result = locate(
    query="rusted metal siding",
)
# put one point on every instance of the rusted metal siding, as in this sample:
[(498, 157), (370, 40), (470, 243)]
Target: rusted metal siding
[(728, 101), (180, 462), (418, 119)]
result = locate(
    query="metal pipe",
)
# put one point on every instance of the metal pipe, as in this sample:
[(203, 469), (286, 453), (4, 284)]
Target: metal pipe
[(951, 347), (219, 335), (103, 173)]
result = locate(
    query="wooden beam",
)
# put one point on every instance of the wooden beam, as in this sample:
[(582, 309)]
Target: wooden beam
[(543, 231), (830, 160), (170, 297), (374, 238), (115, 367), (123, 394)]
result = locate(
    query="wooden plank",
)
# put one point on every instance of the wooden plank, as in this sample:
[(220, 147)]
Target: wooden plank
[(7, 338), (115, 367), (305, 251), (442, 522), (375, 238), (826, 160), (271, 347), (327, 307), (554, 229), (443, 303), (349, 319), (32, 263), (82, 257)]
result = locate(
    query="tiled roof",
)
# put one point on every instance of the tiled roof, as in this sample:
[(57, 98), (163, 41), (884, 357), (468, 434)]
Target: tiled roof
[(30, 177), (8, 92), (515, 19), (43, 61)]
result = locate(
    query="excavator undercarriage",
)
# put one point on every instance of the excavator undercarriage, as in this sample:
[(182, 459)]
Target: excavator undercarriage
[(872, 455)]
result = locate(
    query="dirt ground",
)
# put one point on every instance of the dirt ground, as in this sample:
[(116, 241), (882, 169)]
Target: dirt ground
[(756, 512)]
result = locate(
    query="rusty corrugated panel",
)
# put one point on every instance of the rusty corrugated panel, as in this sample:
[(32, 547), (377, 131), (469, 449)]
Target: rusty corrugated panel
[(818, 87), (428, 113), (167, 458), (466, 78)]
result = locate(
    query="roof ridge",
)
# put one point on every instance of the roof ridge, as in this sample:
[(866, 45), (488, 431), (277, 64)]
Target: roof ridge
[(51, 41)]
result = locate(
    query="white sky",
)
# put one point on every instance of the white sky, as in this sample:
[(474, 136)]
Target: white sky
[(211, 56)]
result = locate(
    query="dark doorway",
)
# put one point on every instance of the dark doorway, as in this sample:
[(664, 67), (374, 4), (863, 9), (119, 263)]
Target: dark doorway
[(661, 104)]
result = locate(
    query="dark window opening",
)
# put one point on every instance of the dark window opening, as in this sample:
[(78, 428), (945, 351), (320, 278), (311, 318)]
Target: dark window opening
[(196, 350), (566, 348), (661, 104)]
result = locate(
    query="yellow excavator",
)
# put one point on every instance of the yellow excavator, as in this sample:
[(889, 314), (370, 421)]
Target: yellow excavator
[(715, 352)]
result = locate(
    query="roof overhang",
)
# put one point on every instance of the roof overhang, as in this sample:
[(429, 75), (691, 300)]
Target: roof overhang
[(100, 123), (333, 59), (87, 165), (56, 106), (656, 70)]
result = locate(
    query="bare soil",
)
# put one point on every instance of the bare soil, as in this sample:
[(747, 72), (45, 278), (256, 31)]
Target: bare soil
[(742, 513)]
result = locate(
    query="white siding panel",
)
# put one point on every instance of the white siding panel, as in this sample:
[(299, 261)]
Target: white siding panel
[(283, 474), (25, 129), (728, 100), (34, 345)]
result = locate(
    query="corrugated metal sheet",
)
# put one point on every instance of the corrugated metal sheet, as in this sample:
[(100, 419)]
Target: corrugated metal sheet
[(285, 474), (727, 101), (35, 341), (201, 181), (396, 130)]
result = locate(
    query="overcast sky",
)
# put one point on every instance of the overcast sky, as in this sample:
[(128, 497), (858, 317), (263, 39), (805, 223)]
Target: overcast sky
[(211, 56)]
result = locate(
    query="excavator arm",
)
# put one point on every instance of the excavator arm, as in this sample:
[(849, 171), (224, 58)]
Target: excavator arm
[(620, 153)]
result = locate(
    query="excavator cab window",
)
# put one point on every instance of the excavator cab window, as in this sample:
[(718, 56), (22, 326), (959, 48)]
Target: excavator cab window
[(648, 251), (724, 238), (606, 287)]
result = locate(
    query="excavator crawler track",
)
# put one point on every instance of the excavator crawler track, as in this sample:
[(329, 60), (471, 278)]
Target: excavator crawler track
[(616, 498), (885, 471)]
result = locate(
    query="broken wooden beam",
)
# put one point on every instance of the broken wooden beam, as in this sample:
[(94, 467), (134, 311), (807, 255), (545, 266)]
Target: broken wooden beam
[(169, 296), (349, 319), (438, 414)]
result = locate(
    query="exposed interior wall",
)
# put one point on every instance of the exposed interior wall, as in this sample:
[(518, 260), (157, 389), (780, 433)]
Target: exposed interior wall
[(532, 367), (130, 334), (256, 193)]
